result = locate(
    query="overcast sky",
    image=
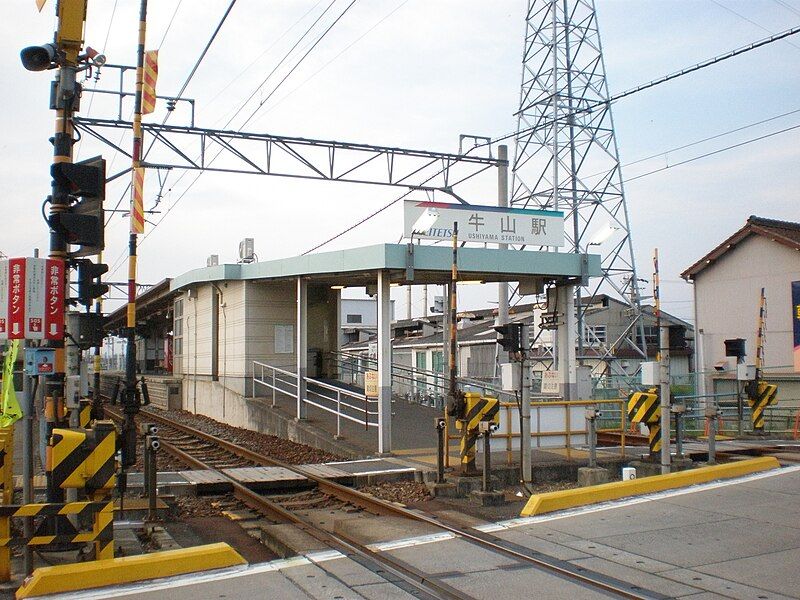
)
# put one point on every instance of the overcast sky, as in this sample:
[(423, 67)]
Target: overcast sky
[(416, 74)]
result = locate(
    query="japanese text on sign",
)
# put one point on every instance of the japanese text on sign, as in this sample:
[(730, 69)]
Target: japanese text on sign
[(487, 224), (32, 299)]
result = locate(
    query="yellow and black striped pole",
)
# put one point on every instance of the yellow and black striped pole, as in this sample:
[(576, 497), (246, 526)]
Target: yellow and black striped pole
[(130, 403), (761, 394)]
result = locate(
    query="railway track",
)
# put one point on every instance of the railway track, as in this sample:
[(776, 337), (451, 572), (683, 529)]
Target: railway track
[(188, 442)]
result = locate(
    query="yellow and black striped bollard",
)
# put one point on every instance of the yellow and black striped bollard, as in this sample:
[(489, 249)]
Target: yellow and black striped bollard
[(766, 395), (478, 408), (643, 408)]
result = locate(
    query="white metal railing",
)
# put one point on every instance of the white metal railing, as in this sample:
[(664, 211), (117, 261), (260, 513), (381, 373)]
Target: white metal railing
[(345, 404)]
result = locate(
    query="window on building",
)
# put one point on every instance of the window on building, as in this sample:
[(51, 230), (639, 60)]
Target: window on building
[(422, 364), (594, 335), (651, 336), (284, 339), (437, 358), (177, 328), (354, 318)]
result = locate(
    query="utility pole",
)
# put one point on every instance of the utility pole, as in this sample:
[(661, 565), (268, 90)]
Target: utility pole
[(502, 287), (68, 44), (663, 359)]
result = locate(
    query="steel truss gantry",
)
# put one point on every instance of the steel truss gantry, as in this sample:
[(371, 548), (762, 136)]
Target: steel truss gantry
[(566, 155), (200, 149)]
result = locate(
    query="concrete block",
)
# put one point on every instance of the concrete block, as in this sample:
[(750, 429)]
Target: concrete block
[(445, 490), (286, 540), (592, 476), (488, 498), (371, 530), (681, 464), (645, 468), (126, 543)]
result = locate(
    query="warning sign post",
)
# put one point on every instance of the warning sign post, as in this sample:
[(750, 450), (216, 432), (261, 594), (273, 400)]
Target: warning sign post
[(32, 299)]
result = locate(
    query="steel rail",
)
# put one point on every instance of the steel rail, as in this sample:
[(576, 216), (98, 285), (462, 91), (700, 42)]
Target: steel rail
[(384, 507), (422, 583)]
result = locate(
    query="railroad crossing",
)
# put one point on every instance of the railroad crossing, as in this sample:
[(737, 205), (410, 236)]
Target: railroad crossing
[(254, 436)]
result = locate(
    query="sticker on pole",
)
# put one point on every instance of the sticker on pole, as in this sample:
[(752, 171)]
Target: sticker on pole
[(371, 384)]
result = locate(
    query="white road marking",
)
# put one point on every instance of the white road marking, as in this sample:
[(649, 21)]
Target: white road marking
[(327, 555)]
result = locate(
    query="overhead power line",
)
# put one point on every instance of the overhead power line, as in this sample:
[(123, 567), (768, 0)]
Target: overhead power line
[(169, 25), (297, 64), (118, 263), (665, 78), (183, 87), (341, 52), (280, 62), (713, 152), (749, 20), (701, 141), (683, 162), (621, 95), (258, 58)]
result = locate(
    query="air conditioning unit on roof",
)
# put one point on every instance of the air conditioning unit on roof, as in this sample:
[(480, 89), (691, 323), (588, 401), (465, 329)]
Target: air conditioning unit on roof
[(247, 250)]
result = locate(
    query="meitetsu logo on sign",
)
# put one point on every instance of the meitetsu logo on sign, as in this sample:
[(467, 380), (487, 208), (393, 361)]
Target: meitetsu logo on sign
[(32, 299), (483, 224)]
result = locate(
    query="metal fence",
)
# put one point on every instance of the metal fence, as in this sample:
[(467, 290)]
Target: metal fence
[(346, 404)]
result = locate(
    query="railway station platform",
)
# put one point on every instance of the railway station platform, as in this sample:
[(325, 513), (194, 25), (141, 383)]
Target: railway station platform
[(731, 539), (414, 438)]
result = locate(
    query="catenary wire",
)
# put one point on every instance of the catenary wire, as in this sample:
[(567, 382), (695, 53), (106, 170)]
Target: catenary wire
[(713, 152), (697, 142), (257, 59), (751, 21), (118, 262), (228, 122), (787, 6), (683, 162), (183, 87), (102, 51), (345, 49), (279, 64), (611, 99)]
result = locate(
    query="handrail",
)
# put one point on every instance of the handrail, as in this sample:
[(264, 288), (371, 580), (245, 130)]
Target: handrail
[(274, 378), (414, 374)]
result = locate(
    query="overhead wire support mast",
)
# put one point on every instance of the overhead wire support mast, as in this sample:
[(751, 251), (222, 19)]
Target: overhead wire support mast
[(131, 401), (287, 156)]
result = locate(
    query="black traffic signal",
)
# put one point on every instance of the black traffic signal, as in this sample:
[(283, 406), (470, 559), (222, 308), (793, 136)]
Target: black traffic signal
[(83, 224), (88, 287), (510, 336), (86, 329)]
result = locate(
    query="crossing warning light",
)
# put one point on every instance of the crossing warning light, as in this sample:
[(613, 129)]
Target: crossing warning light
[(83, 224), (88, 288), (510, 336)]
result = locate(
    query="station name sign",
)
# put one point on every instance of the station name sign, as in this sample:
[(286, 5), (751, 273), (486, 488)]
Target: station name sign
[(32, 294), (484, 224)]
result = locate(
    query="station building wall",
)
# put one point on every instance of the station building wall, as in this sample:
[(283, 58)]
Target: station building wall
[(255, 321)]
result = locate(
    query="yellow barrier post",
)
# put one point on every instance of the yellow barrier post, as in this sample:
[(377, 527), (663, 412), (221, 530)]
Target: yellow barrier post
[(561, 500), (7, 468)]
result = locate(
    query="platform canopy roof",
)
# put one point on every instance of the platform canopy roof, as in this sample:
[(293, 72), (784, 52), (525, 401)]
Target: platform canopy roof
[(355, 267)]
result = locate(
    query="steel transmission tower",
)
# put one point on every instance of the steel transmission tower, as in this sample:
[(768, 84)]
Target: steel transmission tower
[(566, 153)]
